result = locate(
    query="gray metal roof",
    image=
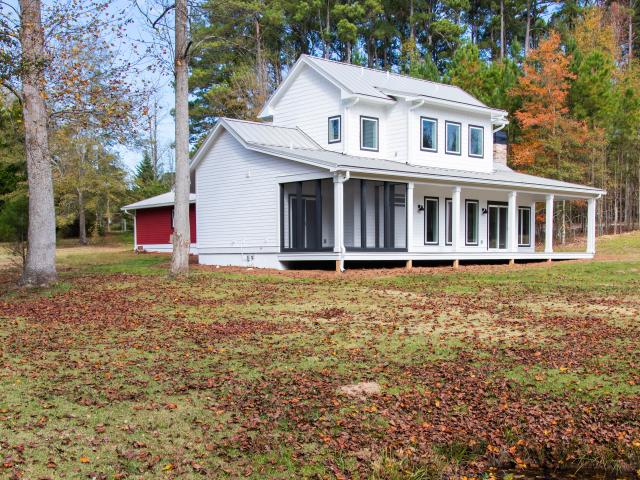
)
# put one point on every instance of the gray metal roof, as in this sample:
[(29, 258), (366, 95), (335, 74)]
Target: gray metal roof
[(339, 161), (269, 135), (374, 83), (293, 144), (162, 200)]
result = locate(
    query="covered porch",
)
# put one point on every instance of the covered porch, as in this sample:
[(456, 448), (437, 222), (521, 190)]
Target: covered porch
[(345, 218)]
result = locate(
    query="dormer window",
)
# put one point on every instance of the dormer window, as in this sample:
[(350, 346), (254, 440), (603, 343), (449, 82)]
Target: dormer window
[(476, 141), (335, 129), (429, 134), (453, 134), (369, 133)]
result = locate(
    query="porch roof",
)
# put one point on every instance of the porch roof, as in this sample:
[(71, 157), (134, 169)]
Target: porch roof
[(294, 144), (502, 176)]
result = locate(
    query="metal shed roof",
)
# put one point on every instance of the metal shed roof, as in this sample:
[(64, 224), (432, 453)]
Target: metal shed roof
[(162, 200)]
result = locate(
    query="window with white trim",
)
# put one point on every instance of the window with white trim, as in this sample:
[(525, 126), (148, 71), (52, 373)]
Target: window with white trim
[(429, 134), (431, 206), (476, 141), (335, 129), (524, 226), (369, 133), (472, 208), (448, 210), (453, 138)]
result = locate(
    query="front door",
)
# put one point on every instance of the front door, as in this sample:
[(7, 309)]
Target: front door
[(498, 214)]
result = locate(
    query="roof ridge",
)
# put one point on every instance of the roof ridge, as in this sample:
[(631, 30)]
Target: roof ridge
[(379, 70)]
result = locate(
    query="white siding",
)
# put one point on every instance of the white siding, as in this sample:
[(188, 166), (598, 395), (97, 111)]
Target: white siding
[(442, 193), (238, 198), (308, 104), (440, 158)]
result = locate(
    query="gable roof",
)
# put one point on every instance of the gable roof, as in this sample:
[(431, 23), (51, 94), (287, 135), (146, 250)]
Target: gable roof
[(163, 200), (377, 84), (293, 144)]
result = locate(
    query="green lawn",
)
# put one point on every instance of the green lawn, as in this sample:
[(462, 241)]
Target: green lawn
[(120, 372)]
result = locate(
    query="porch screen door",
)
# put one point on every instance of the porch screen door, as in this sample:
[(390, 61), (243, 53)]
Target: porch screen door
[(498, 215)]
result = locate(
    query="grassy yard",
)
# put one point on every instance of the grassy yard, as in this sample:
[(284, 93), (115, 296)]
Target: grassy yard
[(119, 372)]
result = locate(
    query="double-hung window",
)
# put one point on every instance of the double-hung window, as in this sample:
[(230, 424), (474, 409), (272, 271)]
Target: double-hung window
[(476, 141), (431, 205), (429, 134), (472, 209), (335, 128), (369, 133), (524, 226), (453, 133)]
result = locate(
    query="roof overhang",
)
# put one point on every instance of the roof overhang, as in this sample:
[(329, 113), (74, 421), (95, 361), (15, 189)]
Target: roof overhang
[(135, 206), (450, 177)]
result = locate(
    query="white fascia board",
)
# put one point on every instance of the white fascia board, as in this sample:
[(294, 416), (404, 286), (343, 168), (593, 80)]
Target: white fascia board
[(446, 103), (204, 148), (268, 110), (205, 145), (589, 192)]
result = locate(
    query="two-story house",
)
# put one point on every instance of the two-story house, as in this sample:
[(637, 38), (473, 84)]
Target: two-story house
[(356, 164)]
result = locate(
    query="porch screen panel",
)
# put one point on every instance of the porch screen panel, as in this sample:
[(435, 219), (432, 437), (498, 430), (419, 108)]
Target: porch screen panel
[(351, 214), (303, 215), (400, 216), (327, 213)]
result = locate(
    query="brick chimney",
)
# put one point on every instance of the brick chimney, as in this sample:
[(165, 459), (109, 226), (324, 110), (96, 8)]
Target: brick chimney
[(500, 148)]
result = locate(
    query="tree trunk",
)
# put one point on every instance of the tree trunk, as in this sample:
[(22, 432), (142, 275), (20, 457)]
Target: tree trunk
[(632, 11), (501, 29), (82, 220), (327, 32), (40, 265), (181, 234), (527, 32)]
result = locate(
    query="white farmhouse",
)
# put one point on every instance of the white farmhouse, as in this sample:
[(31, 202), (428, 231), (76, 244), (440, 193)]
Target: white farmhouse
[(355, 164)]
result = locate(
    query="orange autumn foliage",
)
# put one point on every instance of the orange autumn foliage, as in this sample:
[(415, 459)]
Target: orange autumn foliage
[(552, 143)]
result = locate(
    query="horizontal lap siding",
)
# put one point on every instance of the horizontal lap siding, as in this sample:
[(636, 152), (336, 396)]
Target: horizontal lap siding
[(238, 196), (153, 225), (308, 104)]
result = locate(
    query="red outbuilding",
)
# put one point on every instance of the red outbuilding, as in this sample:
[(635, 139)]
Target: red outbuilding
[(153, 223)]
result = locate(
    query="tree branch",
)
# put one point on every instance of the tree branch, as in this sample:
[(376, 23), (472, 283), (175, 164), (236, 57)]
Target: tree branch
[(166, 10), (12, 90)]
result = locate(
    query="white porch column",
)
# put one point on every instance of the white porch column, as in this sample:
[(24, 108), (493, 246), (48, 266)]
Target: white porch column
[(410, 186), (338, 213), (591, 225), (455, 218), (548, 230), (512, 227)]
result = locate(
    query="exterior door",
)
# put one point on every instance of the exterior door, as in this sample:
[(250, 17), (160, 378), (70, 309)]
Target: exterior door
[(497, 231)]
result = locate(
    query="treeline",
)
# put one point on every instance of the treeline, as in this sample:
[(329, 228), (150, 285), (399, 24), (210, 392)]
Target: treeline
[(565, 71)]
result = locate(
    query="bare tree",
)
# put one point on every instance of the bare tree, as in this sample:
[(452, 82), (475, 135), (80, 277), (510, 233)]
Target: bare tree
[(181, 233), (40, 266)]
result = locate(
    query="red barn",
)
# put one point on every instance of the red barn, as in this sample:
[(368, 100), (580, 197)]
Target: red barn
[(153, 223)]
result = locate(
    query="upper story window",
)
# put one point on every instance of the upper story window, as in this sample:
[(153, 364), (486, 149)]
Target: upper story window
[(429, 134), (369, 133), (335, 129), (453, 136), (476, 141)]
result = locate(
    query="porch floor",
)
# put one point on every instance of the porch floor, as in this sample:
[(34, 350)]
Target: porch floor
[(435, 256)]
